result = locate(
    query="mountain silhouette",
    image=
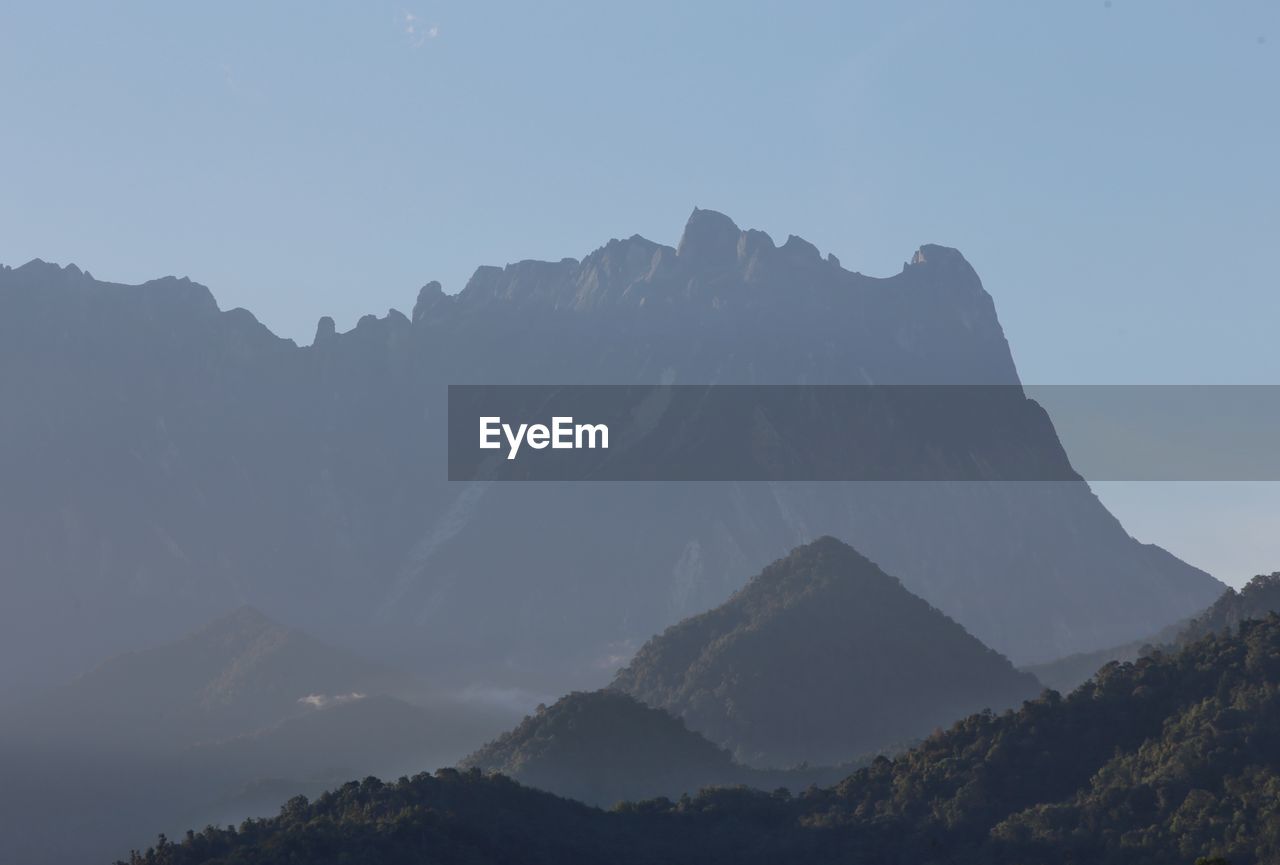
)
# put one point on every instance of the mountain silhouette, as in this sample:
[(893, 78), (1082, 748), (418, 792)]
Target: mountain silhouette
[(166, 460), (1171, 759), (820, 658), (603, 747)]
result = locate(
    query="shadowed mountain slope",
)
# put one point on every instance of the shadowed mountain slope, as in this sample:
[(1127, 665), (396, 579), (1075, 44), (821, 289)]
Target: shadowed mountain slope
[(820, 658)]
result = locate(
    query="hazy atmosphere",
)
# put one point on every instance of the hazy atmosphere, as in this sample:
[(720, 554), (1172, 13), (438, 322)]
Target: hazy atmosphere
[(574, 433), (1107, 167)]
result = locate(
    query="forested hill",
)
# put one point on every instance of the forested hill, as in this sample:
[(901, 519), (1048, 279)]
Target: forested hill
[(1159, 762), (821, 657), (603, 747), (1258, 598)]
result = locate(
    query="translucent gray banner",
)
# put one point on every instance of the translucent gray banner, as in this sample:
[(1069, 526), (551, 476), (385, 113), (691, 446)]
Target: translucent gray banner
[(863, 432)]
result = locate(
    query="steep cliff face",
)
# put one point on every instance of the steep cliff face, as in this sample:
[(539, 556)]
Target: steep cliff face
[(165, 459), (726, 306)]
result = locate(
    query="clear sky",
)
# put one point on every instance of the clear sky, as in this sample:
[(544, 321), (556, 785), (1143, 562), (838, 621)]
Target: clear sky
[(1108, 167)]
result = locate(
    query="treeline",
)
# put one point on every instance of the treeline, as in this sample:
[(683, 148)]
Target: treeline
[(1172, 759)]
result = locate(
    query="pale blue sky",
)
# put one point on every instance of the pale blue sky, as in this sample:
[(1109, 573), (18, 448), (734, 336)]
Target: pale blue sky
[(1109, 169)]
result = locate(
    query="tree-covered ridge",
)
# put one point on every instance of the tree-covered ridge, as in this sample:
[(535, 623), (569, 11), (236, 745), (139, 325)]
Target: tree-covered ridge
[(603, 747), (1209, 783), (820, 658), (1259, 597), (1163, 761), (1148, 762)]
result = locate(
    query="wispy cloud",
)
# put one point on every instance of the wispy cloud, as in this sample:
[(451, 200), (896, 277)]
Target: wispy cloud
[(417, 31), (321, 701)]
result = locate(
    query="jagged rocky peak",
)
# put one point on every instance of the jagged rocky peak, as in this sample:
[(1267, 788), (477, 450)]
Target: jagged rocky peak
[(933, 253), (944, 269), (39, 265), (325, 330), (528, 280), (621, 269), (243, 321), (486, 280), (800, 250), (634, 270), (394, 320), (429, 297), (710, 238), (754, 244), (629, 258), (43, 272), (941, 257)]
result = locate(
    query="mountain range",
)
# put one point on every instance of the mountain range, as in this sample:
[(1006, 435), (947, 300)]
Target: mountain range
[(218, 725), (1173, 759), (818, 663), (167, 460)]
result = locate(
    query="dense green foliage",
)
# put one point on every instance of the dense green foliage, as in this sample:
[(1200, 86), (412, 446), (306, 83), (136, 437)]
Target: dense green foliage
[(603, 747), (1167, 760), (821, 657), (1260, 597)]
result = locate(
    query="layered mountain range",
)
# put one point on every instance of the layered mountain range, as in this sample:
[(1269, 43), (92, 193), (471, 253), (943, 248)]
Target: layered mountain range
[(166, 460), (236, 675), (819, 663), (219, 725), (1173, 759)]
